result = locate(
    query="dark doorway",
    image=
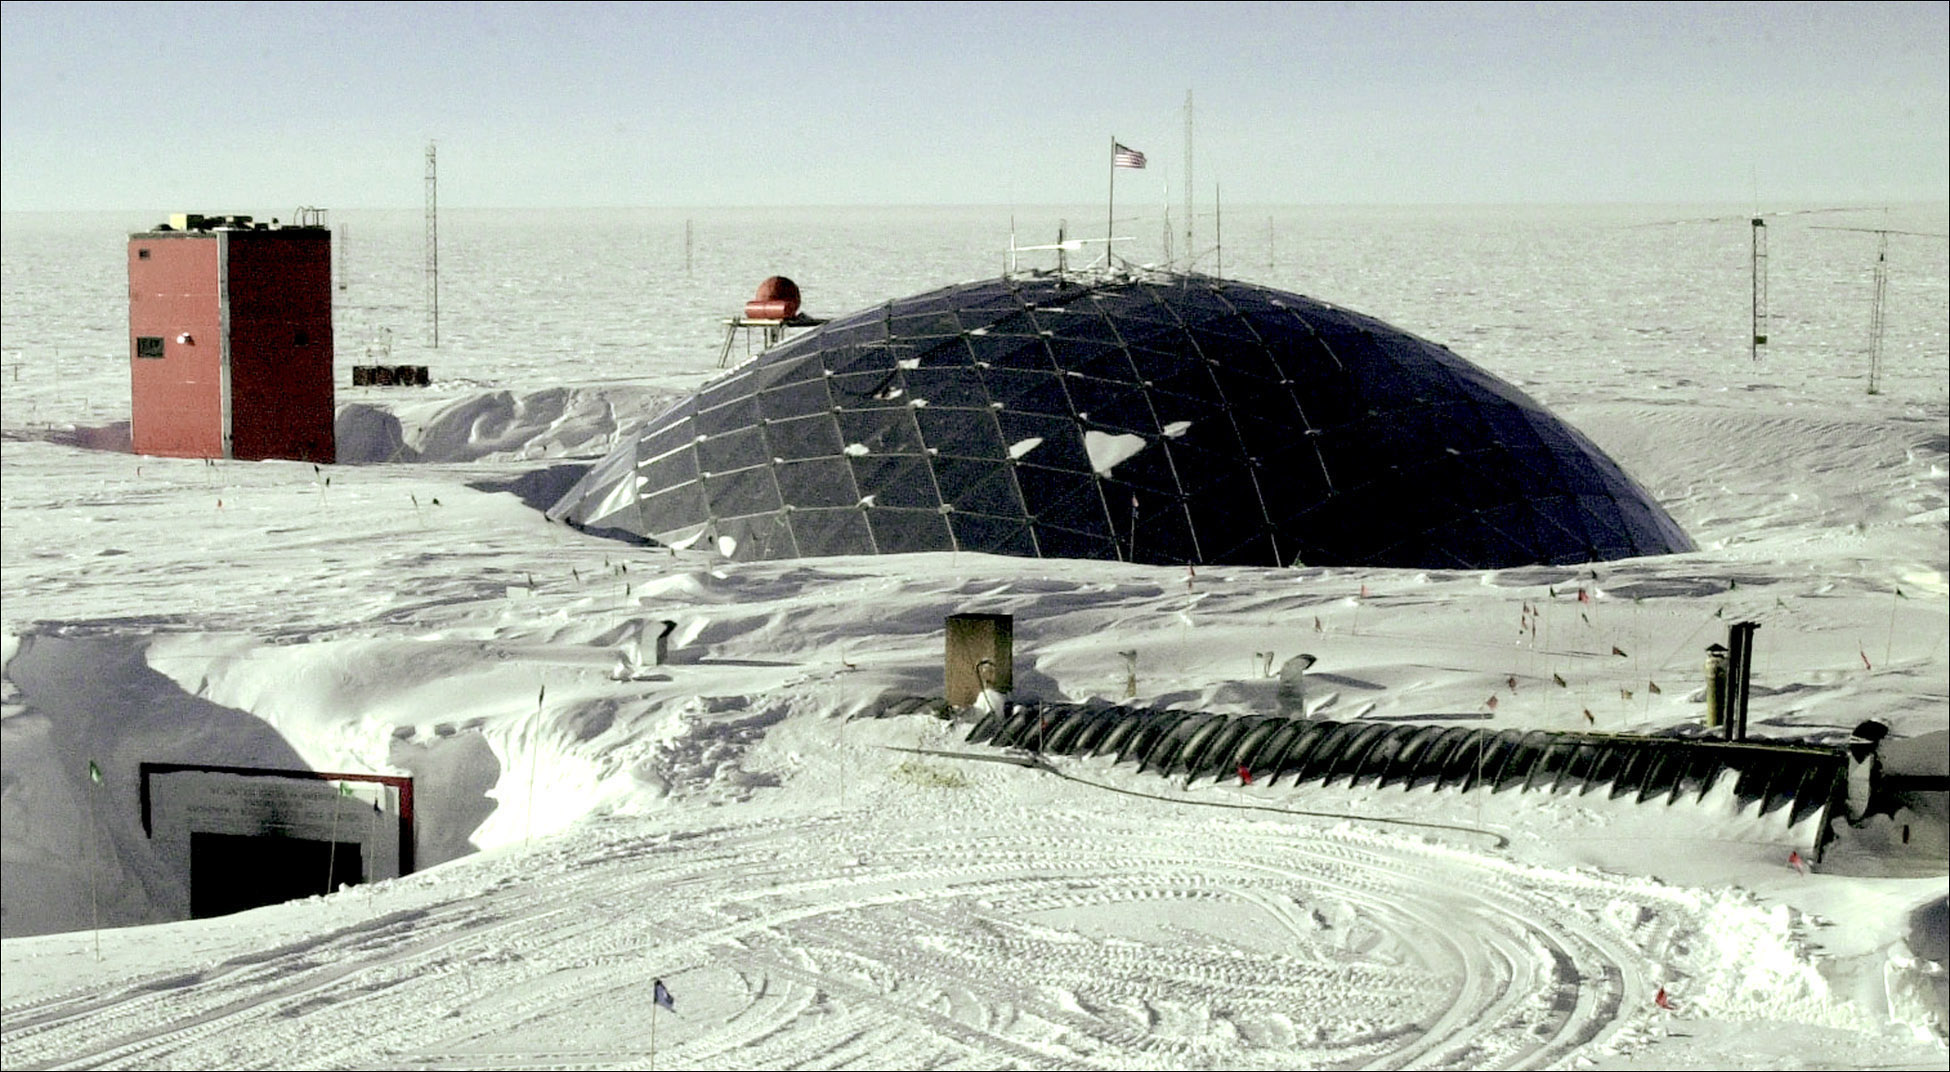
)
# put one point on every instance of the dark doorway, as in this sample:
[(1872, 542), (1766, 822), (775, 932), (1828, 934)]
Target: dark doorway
[(233, 872)]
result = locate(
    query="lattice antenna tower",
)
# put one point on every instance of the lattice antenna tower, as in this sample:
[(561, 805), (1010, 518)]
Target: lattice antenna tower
[(1190, 249), (1218, 235), (1878, 300), (1167, 221), (1875, 312), (1757, 264), (1760, 287), (433, 249)]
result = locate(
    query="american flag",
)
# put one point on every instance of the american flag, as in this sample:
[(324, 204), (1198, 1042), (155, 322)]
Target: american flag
[(1125, 156)]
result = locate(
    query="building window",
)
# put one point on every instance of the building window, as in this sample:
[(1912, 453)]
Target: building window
[(141, 254), (300, 337), (148, 346)]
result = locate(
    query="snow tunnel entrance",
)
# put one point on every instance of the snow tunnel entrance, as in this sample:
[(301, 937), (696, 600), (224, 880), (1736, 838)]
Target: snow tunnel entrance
[(244, 837), (233, 872)]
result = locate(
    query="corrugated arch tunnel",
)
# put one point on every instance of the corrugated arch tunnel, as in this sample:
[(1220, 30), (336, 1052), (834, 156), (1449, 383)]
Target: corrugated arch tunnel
[(1806, 780)]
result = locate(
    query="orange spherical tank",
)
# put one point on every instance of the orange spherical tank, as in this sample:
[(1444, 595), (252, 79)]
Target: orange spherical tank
[(777, 299)]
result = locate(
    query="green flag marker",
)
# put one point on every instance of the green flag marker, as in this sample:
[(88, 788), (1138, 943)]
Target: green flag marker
[(94, 773)]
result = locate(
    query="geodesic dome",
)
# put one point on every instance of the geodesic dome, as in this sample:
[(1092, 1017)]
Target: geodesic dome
[(1162, 418)]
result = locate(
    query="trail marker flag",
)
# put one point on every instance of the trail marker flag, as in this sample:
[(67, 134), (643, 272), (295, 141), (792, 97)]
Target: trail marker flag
[(94, 773), (661, 995), (1124, 156)]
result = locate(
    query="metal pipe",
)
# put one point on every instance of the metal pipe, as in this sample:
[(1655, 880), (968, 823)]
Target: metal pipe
[(1716, 687), (1740, 639)]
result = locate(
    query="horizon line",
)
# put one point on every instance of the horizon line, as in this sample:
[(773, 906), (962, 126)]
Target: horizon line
[(1848, 204)]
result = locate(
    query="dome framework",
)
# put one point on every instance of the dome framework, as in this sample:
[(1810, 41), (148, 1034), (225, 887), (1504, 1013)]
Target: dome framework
[(1162, 419)]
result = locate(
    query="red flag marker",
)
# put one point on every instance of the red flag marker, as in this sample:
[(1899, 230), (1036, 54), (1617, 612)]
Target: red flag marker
[(1492, 702), (1364, 591), (1795, 861), (1661, 1000), (1865, 659), (1245, 776), (1583, 596)]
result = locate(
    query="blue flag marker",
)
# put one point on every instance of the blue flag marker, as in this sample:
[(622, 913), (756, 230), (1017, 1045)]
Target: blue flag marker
[(661, 995)]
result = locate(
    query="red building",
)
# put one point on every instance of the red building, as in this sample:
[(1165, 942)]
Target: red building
[(230, 339)]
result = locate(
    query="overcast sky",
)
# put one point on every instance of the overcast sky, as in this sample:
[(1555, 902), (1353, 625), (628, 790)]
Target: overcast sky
[(161, 106)]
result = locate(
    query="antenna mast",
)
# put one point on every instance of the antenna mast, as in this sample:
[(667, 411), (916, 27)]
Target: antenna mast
[(1877, 303), (1875, 313), (1167, 222), (433, 250), (1191, 251), (1760, 288)]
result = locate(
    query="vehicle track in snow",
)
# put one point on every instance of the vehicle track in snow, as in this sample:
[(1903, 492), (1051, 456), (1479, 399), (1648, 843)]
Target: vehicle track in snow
[(990, 936)]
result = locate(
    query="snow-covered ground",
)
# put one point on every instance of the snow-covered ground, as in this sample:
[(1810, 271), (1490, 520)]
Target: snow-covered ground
[(735, 824)]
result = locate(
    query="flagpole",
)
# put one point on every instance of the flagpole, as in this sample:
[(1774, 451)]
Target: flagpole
[(1110, 225)]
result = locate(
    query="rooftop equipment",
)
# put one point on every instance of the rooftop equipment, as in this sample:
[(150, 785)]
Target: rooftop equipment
[(772, 310)]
